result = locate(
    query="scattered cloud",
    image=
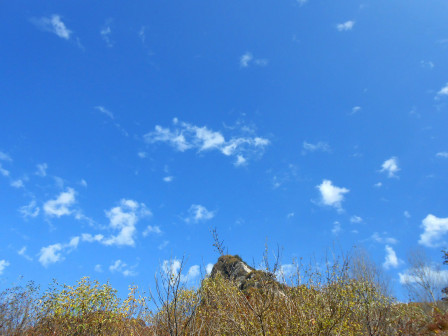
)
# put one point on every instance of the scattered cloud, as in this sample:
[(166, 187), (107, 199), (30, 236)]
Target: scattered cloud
[(390, 167), (163, 245), (4, 171), (376, 237), (3, 265), (30, 210), (152, 229), (185, 136), (53, 24), (98, 268), (442, 155), (5, 157), (427, 64), (87, 237), (378, 185), (331, 195), (434, 276), (317, 147), (142, 155), (247, 59), (209, 268), (433, 230), (41, 169), (83, 183), (168, 179), (120, 267), (346, 26), (54, 253), (105, 33), (407, 214), (391, 260), (302, 2), (355, 219), (198, 213), (356, 109), (61, 205), (124, 219), (336, 228), (22, 252), (105, 111), (172, 268), (17, 184), (286, 272), (443, 91)]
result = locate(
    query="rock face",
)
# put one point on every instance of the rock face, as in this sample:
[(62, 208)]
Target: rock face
[(233, 268)]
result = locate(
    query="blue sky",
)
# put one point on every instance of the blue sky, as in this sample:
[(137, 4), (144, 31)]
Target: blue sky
[(128, 130)]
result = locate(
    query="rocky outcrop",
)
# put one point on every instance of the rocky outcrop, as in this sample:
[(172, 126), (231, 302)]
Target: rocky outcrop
[(233, 268)]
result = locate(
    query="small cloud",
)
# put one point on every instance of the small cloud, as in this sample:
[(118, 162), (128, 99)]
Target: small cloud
[(163, 245), (331, 195), (391, 260), (142, 155), (121, 267), (378, 185), (209, 268), (376, 237), (262, 62), (3, 265), (290, 215), (17, 184), (302, 2), (22, 252), (355, 219), (431, 275), (346, 26), (356, 109), (61, 205), (83, 183), (336, 228), (246, 59), (41, 169), (105, 33), (390, 167), (193, 273), (317, 147), (5, 157), (434, 229), (105, 111), (427, 64), (199, 213), (98, 268), (407, 214), (53, 24), (443, 91), (87, 237), (53, 253), (142, 34), (442, 155), (152, 229), (30, 210), (4, 171), (168, 179)]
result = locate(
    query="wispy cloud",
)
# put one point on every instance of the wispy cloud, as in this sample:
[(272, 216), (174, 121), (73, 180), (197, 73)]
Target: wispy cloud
[(434, 229), (168, 179), (17, 184), (54, 253), (247, 59), (3, 265), (302, 2), (390, 167), (346, 26), (317, 147), (199, 213), (30, 210), (4, 171), (331, 195), (434, 276), (442, 155), (184, 136), (5, 157), (120, 267), (106, 32), (336, 228), (391, 259), (41, 169), (173, 267), (355, 219), (376, 237), (111, 116), (443, 91), (22, 252), (61, 205), (53, 24), (152, 229)]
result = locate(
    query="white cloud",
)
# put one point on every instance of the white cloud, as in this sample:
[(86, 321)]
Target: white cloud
[(199, 213), (286, 272), (22, 252), (105, 33), (302, 2), (246, 59), (53, 25), (355, 219), (390, 167), (443, 91), (30, 210), (163, 245), (152, 229), (121, 267), (83, 183), (209, 268), (407, 214), (376, 237), (53, 253), (124, 218), (378, 185), (434, 276), (98, 268), (17, 184), (193, 273), (105, 111), (332, 195), (391, 258), (3, 171), (168, 179), (319, 146), (336, 228), (433, 230), (87, 237), (142, 155), (61, 205), (442, 155), (5, 157), (41, 169), (356, 109), (3, 265), (185, 136), (346, 26)]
